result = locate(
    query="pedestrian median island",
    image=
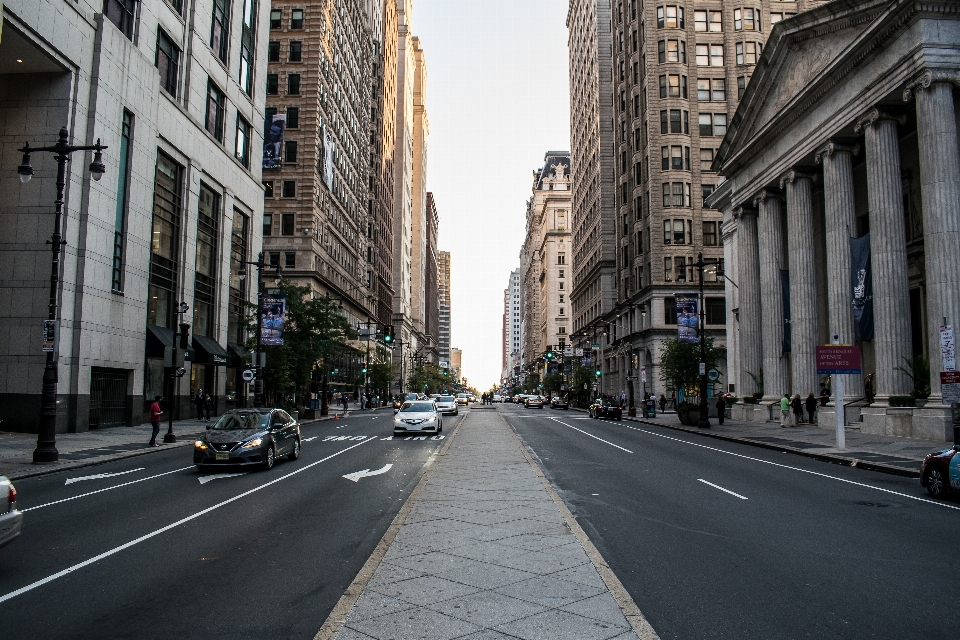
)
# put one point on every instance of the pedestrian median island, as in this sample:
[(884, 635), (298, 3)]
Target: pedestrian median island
[(485, 546)]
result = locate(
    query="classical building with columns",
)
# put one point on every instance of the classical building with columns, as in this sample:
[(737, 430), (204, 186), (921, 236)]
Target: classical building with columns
[(846, 134)]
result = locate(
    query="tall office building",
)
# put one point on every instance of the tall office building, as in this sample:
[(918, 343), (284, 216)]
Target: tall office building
[(443, 286), (174, 90), (419, 211), (431, 284), (511, 325)]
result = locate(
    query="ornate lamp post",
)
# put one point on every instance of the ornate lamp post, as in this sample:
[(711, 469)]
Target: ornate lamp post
[(704, 422), (46, 450)]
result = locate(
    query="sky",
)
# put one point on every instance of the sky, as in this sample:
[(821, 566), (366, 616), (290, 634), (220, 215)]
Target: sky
[(497, 100)]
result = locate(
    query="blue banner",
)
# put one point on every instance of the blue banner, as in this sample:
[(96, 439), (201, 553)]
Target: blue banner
[(273, 129), (787, 345), (861, 284), (272, 319), (687, 323)]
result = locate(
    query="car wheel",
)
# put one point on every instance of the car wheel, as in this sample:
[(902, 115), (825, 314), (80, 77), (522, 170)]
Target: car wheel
[(440, 428), (936, 483), (271, 457), (295, 454)]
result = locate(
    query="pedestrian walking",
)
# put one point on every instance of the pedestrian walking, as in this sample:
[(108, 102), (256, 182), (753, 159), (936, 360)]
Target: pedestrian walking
[(797, 406), (207, 405), (346, 402), (721, 409), (784, 411), (673, 399), (198, 401), (663, 402), (155, 413), (811, 403)]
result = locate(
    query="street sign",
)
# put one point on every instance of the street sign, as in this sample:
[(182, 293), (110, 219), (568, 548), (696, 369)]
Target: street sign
[(568, 351), (948, 348), (248, 375), (713, 375), (835, 359), (703, 368), (950, 386), (49, 335), (643, 375), (578, 352)]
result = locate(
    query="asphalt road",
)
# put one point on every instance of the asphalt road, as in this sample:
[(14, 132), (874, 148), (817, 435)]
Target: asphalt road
[(162, 551), (720, 540)]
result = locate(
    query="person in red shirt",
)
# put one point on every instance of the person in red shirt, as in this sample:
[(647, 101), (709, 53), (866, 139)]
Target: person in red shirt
[(155, 413)]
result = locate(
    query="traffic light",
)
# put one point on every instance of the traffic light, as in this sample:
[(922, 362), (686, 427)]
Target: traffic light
[(599, 373), (184, 336), (549, 355), (388, 334), (364, 370)]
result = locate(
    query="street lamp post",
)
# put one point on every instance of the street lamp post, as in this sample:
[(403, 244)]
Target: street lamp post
[(46, 450), (176, 371), (704, 422), (257, 368)]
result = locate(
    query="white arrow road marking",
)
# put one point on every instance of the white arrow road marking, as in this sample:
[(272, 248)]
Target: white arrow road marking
[(366, 473), (102, 475), (722, 489), (216, 476), (116, 486), (309, 439)]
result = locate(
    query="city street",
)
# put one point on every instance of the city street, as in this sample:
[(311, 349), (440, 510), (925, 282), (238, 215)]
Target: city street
[(149, 547), (720, 540)]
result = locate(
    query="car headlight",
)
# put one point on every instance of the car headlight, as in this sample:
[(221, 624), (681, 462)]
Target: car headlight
[(432, 419), (199, 444), (256, 442), (397, 418)]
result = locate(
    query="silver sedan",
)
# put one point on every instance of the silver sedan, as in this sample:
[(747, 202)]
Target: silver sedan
[(447, 405), (420, 416)]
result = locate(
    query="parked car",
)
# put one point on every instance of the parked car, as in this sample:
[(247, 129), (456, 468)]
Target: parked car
[(447, 404), (463, 399), (11, 520), (558, 403), (248, 437), (940, 472), (605, 409), (533, 402), (497, 397), (421, 416)]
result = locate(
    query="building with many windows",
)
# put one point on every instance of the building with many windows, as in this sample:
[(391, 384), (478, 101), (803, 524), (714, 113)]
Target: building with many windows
[(174, 91), (511, 326), (443, 287)]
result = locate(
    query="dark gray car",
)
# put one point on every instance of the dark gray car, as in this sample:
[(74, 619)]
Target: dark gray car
[(245, 437)]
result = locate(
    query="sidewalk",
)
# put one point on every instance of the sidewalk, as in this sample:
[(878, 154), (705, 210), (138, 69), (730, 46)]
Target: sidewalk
[(483, 549), (900, 456), (104, 445)]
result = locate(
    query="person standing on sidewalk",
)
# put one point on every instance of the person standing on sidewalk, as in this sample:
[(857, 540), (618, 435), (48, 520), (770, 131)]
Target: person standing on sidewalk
[(155, 413), (797, 406), (207, 404), (198, 402), (784, 411), (811, 403), (721, 409)]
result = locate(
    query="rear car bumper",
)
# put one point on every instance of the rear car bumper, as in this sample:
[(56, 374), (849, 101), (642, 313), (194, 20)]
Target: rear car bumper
[(10, 524)]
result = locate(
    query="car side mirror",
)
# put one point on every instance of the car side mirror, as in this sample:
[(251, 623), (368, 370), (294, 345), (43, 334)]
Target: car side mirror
[(209, 426), (396, 411)]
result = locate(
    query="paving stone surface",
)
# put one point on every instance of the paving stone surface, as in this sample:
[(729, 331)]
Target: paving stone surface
[(485, 554)]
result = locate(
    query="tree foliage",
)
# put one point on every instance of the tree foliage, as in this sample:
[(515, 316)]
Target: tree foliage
[(429, 378), (680, 363)]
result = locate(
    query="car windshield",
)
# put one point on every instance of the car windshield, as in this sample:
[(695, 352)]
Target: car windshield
[(444, 398), (238, 420), (411, 396), (417, 407), (461, 395)]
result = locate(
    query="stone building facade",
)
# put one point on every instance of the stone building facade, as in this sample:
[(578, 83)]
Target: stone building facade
[(846, 139), (174, 90)]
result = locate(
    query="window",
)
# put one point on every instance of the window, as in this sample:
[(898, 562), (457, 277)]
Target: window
[(286, 224), (120, 221), (220, 28), (164, 246), (268, 188), (560, 274), (711, 89), (682, 273), (777, 17), (274, 258), (293, 84), (713, 124), (745, 19), (666, 194), (122, 13), (296, 19), (289, 189), (243, 141), (709, 55), (667, 231), (636, 73), (669, 318), (273, 52), (293, 117), (673, 86), (276, 16), (248, 27), (672, 51), (216, 103), (168, 62), (561, 258), (741, 86), (708, 21), (268, 224), (638, 172), (706, 190), (204, 295), (670, 17), (664, 122), (706, 159), (675, 121), (748, 52), (239, 240), (273, 84), (715, 311), (710, 233), (289, 260), (290, 151), (296, 51)]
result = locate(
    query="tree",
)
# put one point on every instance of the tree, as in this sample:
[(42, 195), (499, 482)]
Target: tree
[(551, 381), (680, 363), (580, 376), (429, 378)]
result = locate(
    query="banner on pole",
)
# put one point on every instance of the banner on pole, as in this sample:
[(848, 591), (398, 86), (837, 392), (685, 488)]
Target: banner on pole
[(272, 318), (687, 323), (948, 348), (273, 129), (787, 345), (835, 359), (861, 283)]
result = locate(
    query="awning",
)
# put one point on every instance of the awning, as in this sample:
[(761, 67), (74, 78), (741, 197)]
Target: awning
[(237, 356), (159, 339), (209, 351)]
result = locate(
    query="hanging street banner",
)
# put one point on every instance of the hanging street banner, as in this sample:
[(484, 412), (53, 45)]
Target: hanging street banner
[(327, 158), (787, 345), (273, 129), (950, 386), (861, 284), (272, 318), (687, 323), (836, 359)]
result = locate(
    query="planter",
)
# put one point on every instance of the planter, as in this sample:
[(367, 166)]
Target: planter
[(689, 417)]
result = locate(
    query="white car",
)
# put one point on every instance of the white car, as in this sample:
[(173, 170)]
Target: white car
[(447, 405), (419, 416), (10, 519), (497, 397), (463, 398)]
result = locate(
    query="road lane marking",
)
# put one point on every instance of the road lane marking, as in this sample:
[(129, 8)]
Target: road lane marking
[(813, 473), (100, 476), (309, 439), (116, 486), (366, 473), (153, 534), (716, 486), (217, 476), (591, 435)]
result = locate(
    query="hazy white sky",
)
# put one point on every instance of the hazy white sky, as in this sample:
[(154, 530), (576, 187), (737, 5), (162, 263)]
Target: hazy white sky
[(497, 100)]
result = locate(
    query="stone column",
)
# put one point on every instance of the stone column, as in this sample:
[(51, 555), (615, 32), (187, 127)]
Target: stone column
[(940, 193), (803, 277), (748, 274), (770, 251), (841, 219), (888, 250)]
